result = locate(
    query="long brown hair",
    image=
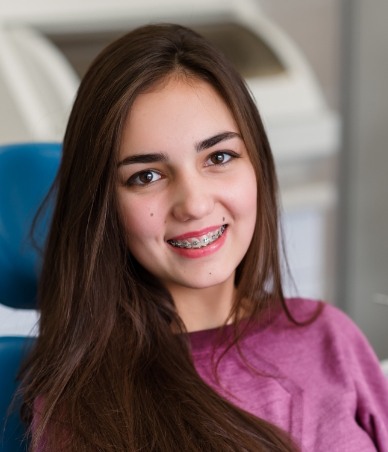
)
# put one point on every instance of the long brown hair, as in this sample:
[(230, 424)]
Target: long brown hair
[(111, 372)]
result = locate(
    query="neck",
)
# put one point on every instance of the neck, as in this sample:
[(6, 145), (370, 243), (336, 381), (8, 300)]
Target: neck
[(203, 309)]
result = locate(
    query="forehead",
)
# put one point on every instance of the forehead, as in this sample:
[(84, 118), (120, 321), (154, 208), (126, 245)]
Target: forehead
[(179, 111)]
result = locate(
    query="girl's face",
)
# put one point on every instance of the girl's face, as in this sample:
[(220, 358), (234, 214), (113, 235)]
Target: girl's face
[(187, 189)]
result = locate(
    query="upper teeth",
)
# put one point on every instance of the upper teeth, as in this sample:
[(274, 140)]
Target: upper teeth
[(199, 242)]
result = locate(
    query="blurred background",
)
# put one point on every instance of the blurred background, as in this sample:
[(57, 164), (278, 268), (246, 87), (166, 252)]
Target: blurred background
[(318, 71)]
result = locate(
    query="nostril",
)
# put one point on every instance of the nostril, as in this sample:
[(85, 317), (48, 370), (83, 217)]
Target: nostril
[(193, 205)]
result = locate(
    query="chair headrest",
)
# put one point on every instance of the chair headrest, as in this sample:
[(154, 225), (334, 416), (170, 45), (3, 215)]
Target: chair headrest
[(27, 172)]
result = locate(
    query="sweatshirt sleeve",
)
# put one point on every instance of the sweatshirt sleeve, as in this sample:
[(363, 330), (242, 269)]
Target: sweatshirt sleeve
[(371, 385)]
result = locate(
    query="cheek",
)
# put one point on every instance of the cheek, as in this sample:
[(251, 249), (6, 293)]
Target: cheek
[(248, 210), (245, 196), (140, 220)]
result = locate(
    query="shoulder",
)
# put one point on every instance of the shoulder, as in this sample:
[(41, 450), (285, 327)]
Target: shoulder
[(333, 331), (327, 316)]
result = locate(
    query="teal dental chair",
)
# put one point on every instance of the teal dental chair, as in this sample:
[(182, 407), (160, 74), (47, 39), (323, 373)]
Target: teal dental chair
[(26, 175)]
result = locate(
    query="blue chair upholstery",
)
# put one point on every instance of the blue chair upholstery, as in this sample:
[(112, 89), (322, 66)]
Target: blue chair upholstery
[(26, 175), (12, 351)]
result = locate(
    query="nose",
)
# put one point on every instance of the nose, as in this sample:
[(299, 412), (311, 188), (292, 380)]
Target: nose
[(192, 199)]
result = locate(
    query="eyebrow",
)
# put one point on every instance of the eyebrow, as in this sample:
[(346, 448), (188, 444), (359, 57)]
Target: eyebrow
[(161, 157), (212, 141), (144, 158)]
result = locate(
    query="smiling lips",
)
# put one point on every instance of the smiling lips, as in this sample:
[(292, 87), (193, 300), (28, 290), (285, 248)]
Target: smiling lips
[(200, 241)]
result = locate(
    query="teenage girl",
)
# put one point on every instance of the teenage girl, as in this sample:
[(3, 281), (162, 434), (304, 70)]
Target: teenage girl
[(163, 321)]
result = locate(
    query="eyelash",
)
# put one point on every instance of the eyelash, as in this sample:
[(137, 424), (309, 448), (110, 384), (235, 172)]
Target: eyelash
[(135, 178), (230, 154)]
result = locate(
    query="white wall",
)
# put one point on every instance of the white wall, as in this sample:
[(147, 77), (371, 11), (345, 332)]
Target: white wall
[(364, 165)]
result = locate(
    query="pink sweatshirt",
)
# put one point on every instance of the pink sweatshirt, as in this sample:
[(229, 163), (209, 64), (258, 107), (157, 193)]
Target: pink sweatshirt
[(322, 383)]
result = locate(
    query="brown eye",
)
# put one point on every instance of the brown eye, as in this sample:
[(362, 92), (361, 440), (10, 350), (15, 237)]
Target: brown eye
[(221, 158), (144, 178), (217, 158)]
